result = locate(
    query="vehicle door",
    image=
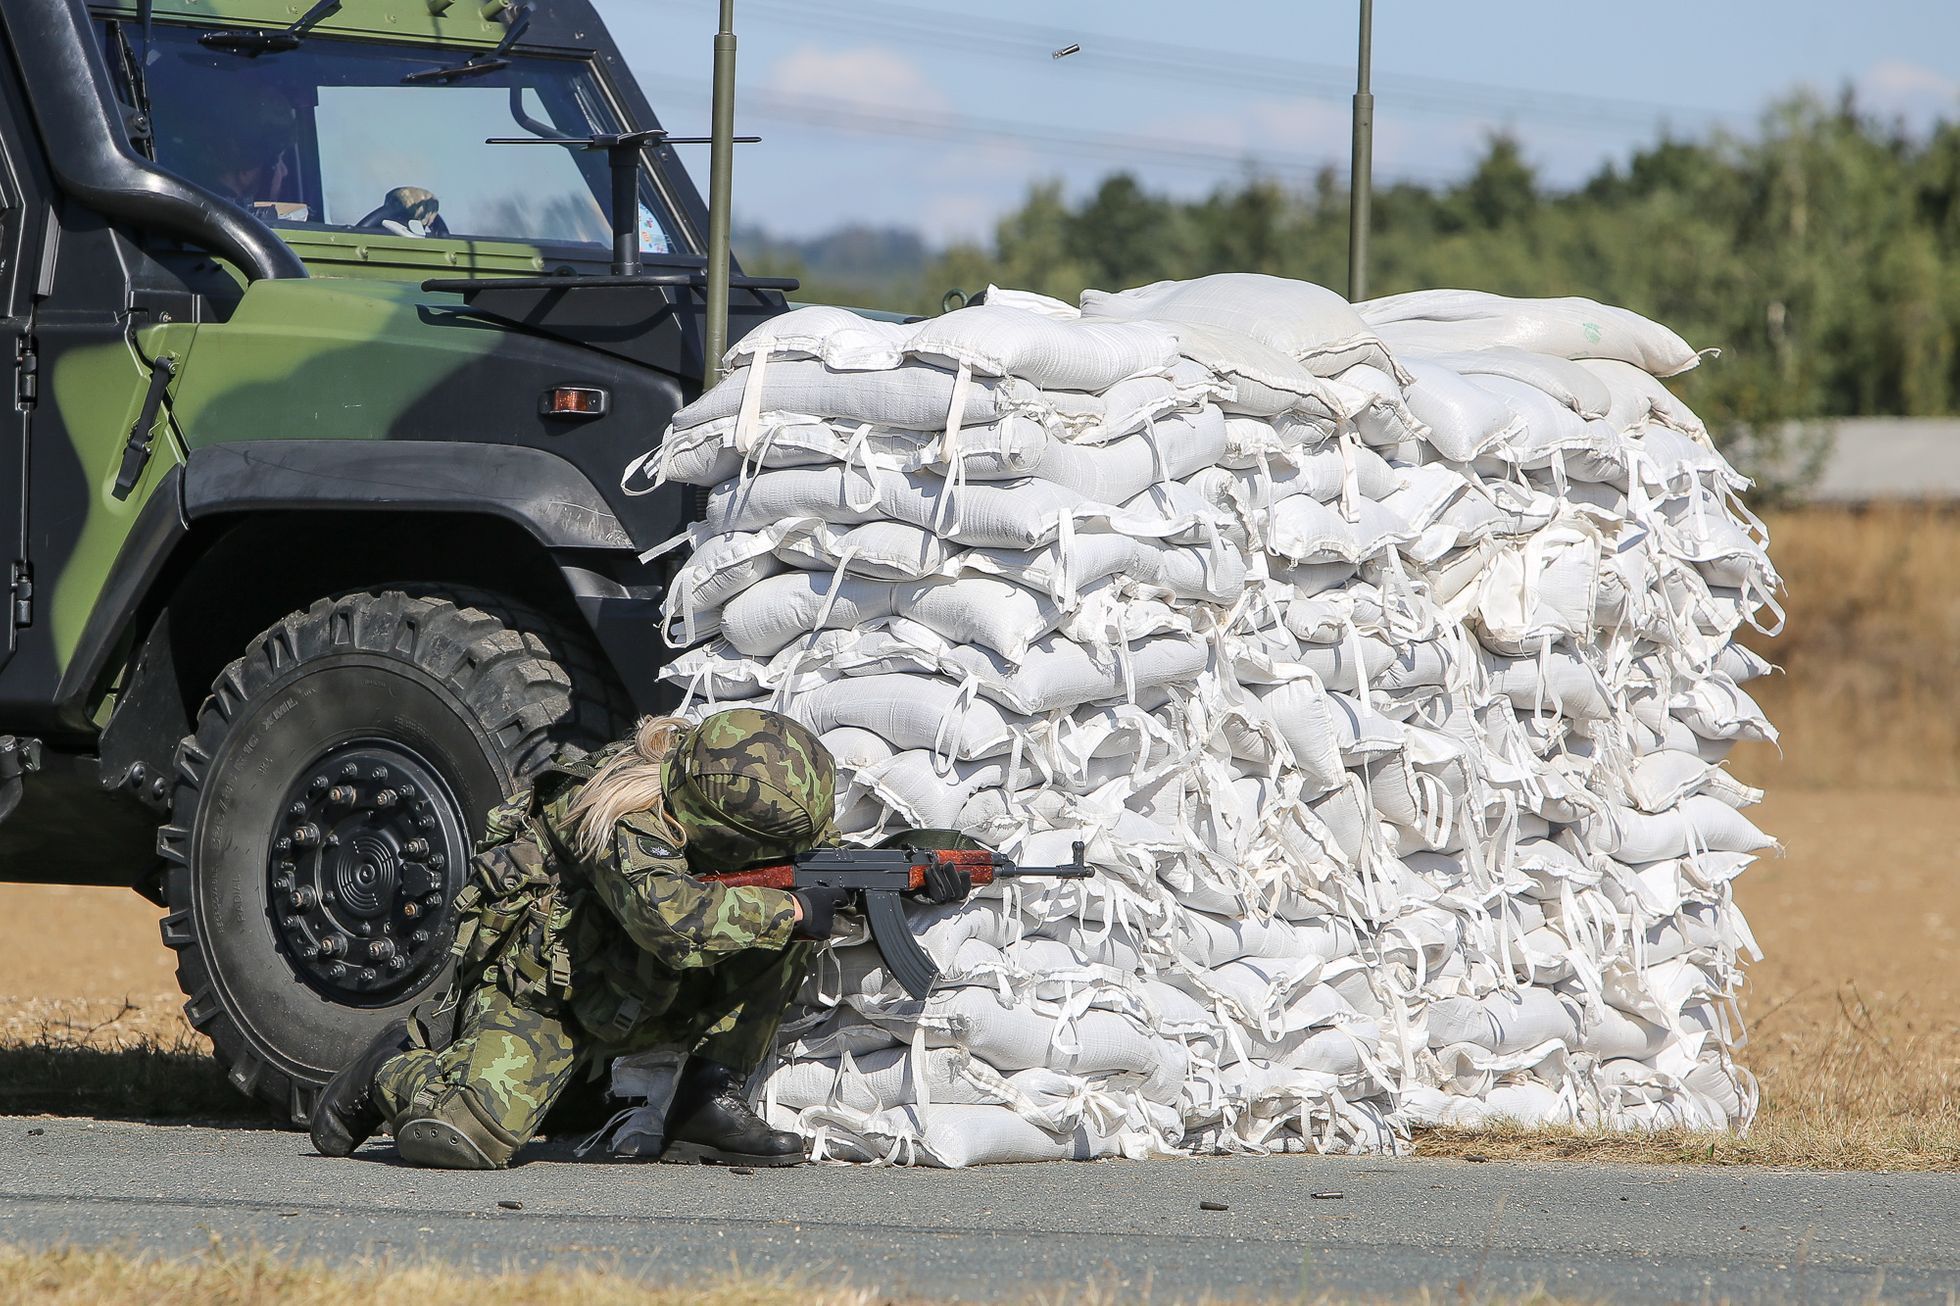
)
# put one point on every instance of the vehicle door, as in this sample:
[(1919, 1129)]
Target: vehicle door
[(18, 394)]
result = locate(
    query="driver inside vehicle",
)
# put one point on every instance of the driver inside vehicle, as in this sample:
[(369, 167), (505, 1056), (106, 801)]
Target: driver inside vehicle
[(408, 211), (250, 162)]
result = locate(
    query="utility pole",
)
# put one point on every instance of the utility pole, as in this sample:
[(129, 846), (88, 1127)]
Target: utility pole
[(721, 167), (1361, 170)]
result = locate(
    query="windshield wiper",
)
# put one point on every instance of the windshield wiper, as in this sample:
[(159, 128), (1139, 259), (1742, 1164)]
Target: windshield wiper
[(477, 65), (136, 114), (253, 42)]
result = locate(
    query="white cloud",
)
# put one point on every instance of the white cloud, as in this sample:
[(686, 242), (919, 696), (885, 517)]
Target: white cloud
[(868, 76), (1897, 87)]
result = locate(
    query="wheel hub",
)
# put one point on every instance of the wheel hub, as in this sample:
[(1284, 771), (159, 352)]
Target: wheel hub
[(367, 855)]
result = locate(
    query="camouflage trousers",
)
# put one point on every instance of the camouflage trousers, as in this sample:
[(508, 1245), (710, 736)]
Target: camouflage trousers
[(513, 1057)]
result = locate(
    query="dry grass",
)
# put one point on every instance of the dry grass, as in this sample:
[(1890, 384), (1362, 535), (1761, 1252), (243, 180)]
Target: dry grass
[(1870, 695), (112, 1059), (70, 1277)]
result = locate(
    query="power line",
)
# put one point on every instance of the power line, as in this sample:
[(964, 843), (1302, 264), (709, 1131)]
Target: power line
[(1120, 147), (1160, 61)]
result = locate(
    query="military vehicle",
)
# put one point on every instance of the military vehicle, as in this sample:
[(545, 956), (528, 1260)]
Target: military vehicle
[(333, 327)]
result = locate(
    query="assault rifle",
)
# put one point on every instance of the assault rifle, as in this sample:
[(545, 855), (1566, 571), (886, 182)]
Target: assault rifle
[(881, 875)]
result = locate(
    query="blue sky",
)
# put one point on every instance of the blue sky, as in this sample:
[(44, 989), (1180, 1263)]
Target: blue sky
[(939, 115)]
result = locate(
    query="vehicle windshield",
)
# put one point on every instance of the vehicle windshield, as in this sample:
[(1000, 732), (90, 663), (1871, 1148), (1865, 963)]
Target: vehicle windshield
[(329, 135)]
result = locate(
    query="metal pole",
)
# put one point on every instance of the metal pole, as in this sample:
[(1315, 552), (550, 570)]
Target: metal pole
[(1361, 171), (721, 166)]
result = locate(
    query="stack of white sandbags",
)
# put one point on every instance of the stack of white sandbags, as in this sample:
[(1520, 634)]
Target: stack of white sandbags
[(1380, 658)]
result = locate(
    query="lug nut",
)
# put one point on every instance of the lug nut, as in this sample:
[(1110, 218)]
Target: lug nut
[(297, 809), (159, 787), (386, 798), (306, 835), (425, 822), (284, 845), (283, 883), (332, 945), (438, 860), (318, 783), (337, 971), (397, 963), (343, 795), (406, 791), (420, 936), (381, 949), (305, 898), (350, 772), (411, 909), (370, 974), (416, 848), (379, 773)]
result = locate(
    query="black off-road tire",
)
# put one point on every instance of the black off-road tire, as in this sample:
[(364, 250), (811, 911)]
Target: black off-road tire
[(470, 691)]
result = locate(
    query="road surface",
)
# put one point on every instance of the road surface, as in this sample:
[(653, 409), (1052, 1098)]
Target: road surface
[(1635, 1234)]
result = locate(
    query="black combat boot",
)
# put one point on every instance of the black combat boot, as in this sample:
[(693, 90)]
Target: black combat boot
[(711, 1123), (346, 1114)]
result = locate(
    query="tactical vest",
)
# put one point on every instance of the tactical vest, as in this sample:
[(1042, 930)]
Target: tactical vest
[(512, 916)]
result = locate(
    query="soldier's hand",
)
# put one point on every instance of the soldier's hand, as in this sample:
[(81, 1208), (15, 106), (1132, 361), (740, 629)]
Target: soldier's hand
[(946, 883), (817, 911)]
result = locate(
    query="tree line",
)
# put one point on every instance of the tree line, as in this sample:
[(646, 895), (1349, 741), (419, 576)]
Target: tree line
[(1817, 253)]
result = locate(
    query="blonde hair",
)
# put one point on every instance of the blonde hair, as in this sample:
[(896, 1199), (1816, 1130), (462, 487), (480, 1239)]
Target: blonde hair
[(627, 784)]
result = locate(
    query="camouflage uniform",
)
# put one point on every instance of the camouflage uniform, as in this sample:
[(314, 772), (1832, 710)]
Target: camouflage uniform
[(569, 961)]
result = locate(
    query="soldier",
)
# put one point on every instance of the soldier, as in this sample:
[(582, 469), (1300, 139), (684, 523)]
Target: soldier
[(585, 937)]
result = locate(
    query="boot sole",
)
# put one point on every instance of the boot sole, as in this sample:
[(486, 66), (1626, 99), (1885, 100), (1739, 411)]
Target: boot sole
[(700, 1154), (440, 1146)]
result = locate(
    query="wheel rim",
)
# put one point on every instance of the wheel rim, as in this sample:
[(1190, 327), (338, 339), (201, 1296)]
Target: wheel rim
[(365, 855)]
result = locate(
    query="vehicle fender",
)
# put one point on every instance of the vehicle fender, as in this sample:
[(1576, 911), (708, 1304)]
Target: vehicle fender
[(534, 488)]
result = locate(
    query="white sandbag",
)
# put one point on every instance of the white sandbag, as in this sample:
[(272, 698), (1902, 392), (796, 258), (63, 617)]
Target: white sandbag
[(1303, 321), (1001, 340), (1441, 321), (1698, 823), (977, 609), (880, 1080), (912, 398), (1715, 707), (1464, 421), (1049, 673), (913, 712), (1032, 302), (1002, 514), (950, 1136), (1502, 1022), (1571, 385), (836, 337), (1372, 400)]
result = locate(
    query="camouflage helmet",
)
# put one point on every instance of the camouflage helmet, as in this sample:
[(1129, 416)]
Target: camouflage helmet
[(750, 786)]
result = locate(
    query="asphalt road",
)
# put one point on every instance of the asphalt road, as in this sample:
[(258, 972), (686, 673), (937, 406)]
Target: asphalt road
[(1634, 1234)]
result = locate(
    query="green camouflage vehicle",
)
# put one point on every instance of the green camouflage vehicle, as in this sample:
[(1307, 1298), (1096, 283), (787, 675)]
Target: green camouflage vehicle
[(314, 470)]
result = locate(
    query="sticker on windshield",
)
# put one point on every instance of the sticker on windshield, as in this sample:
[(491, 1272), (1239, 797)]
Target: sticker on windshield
[(653, 236)]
